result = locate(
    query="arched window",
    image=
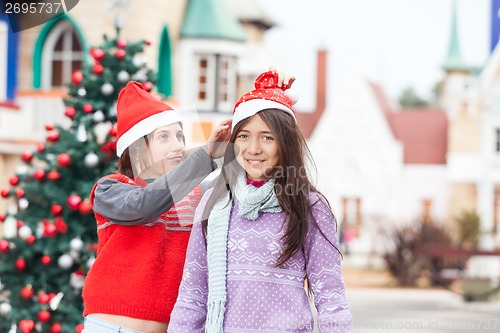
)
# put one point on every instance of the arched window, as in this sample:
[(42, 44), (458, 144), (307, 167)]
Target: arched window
[(62, 54)]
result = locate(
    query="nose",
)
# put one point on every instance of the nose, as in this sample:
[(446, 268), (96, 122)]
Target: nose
[(178, 145), (254, 147)]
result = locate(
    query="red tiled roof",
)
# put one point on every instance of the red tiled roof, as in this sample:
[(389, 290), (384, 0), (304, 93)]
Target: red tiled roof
[(422, 131)]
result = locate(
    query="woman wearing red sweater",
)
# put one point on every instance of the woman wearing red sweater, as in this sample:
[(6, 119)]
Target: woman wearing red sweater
[(144, 215)]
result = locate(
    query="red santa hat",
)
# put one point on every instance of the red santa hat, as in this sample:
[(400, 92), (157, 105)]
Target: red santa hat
[(138, 114), (267, 95)]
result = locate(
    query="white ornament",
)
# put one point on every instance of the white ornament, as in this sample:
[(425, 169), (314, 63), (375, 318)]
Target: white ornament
[(75, 255), (107, 89), (90, 262), (76, 244), (112, 110), (138, 60), (81, 92), (140, 76), (77, 280), (65, 261), (50, 157), (91, 160), (24, 232), (98, 116), (40, 229), (81, 133), (54, 302), (123, 76), (5, 308), (21, 170), (23, 203)]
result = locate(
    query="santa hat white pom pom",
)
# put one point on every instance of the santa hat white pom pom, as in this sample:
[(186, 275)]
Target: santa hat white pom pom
[(293, 94)]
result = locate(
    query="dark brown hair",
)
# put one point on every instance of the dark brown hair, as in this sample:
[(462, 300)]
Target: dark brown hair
[(292, 183)]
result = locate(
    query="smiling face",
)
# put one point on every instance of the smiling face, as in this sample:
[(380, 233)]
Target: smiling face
[(164, 152), (257, 149)]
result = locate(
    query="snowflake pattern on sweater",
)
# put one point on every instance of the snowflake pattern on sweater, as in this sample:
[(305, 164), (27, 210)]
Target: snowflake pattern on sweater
[(260, 296)]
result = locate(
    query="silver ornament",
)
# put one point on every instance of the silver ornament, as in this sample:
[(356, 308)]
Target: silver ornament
[(107, 89), (76, 244), (123, 76), (23, 203), (65, 261), (91, 160), (24, 232), (5, 308), (81, 92), (98, 116)]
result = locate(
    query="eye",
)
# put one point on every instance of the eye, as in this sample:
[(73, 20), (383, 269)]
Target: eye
[(267, 137), (163, 137), (180, 136), (242, 136)]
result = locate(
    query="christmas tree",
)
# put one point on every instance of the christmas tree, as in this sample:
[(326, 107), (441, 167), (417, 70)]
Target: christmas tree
[(43, 266)]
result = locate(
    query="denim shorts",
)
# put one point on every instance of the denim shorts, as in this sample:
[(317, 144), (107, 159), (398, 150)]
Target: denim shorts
[(95, 325)]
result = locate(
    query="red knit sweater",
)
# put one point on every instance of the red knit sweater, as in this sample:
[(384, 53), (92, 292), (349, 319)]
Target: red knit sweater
[(138, 269)]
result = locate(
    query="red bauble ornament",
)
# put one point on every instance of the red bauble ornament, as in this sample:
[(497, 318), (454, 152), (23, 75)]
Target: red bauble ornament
[(54, 175), (56, 209), (74, 201), (49, 127), (148, 86), (61, 226), (70, 112), (43, 298), (4, 246), (98, 69), (27, 292), (19, 192), (53, 136), (79, 328), (5, 192), (31, 239), (19, 223), (39, 174), (44, 316), (27, 156), (2, 217), (49, 230), (64, 160), (148, 42), (120, 54), (14, 180), (121, 43), (77, 77), (56, 328), (113, 130), (46, 260), (40, 147), (21, 264), (97, 54), (85, 207), (26, 326), (88, 108)]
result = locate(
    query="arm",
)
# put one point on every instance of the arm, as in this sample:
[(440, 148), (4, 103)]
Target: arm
[(132, 205), (190, 310), (323, 268)]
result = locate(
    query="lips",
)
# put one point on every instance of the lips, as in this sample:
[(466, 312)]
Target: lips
[(254, 163)]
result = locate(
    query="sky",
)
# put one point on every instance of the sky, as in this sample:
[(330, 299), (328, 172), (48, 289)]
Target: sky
[(396, 43)]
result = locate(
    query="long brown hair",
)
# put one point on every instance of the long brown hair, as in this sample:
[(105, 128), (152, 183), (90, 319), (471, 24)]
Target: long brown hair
[(292, 183)]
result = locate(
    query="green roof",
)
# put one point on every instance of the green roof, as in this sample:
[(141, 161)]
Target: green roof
[(454, 61), (211, 19)]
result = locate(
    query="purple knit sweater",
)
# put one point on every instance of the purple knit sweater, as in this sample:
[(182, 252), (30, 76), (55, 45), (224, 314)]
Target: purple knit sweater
[(261, 297)]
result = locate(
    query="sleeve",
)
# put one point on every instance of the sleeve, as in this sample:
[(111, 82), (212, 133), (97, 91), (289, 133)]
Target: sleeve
[(127, 204), (190, 310), (324, 271)]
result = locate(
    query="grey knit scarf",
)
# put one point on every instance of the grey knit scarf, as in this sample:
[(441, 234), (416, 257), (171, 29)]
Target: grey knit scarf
[(251, 201)]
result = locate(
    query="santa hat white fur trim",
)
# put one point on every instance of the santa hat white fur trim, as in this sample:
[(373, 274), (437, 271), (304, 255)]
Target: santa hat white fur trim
[(251, 107), (144, 127)]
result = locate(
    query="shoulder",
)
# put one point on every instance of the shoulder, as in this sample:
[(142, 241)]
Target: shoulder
[(319, 204)]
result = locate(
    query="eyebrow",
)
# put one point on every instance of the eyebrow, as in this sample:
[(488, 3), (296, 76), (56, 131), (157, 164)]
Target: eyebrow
[(168, 132), (260, 132)]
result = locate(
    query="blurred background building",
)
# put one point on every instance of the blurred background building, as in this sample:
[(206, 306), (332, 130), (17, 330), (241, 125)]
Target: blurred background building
[(379, 164)]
